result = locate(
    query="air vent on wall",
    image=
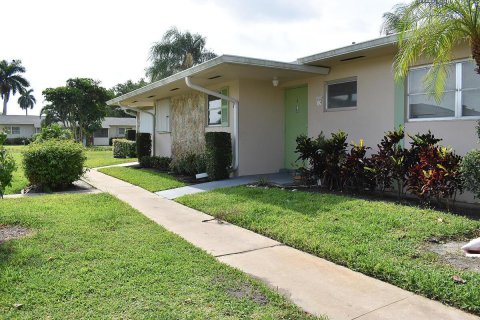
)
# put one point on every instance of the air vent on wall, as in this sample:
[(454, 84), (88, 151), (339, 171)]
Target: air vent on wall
[(214, 77), (352, 58)]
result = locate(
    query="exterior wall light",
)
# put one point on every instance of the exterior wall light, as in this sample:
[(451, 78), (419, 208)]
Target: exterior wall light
[(275, 82)]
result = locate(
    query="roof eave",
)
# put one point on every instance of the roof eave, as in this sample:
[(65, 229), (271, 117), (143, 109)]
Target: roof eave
[(215, 62), (370, 44)]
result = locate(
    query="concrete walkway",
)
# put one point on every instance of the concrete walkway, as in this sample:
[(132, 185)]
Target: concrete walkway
[(316, 285), (278, 178), (125, 164)]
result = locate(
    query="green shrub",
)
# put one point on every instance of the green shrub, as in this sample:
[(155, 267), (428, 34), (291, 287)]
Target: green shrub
[(389, 163), (131, 134), (7, 166), (110, 140), (189, 164), (335, 152), (18, 141), (325, 156), (218, 155), (436, 175), (355, 176), (54, 164), (470, 169), (309, 149), (159, 163), (123, 148), (144, 144), (54, 131)]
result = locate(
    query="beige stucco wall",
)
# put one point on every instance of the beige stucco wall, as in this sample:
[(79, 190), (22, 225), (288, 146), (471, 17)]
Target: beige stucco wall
[(459, 134), (261, 127), (375, 100)]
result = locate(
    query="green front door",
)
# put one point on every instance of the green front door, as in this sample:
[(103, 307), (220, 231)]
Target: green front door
[(296, 121)]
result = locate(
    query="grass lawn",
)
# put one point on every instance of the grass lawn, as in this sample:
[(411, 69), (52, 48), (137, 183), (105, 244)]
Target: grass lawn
[(92, 256), (144, 178), (380, 239), (99, 157)]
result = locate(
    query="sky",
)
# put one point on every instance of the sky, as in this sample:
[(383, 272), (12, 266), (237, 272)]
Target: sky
[(109, 40)]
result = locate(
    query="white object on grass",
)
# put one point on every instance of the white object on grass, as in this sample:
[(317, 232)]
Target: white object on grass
[(472, 249), (201, 175)]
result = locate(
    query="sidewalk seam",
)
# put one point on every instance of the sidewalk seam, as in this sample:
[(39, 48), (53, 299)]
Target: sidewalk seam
[(387, 305), (247, 251)]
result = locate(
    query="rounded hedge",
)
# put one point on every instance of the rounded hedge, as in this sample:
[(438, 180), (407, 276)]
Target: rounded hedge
[(54, 164)]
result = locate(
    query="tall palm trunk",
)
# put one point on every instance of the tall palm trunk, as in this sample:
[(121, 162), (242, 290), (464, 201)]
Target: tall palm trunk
[(5, 101), (475, 47)]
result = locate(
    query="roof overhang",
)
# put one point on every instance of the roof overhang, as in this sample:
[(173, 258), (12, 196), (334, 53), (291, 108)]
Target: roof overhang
[(220, 69), (371, 48)]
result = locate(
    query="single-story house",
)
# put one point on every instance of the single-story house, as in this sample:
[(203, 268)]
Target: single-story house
[(113, 128), (19, 126), (266, 104)]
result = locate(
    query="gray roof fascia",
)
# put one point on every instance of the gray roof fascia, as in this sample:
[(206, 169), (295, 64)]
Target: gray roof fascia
[(215, 62), (375, 43)]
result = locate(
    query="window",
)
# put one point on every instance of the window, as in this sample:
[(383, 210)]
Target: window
[(218, 110), (101, 133), (121, 131), (38, 130), (342, 94), (461, 96), (11, 130)]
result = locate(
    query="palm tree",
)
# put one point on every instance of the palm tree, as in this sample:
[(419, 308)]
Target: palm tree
[(392, 21), (431, 29), (11, 80), (27, 100), (176, 52)]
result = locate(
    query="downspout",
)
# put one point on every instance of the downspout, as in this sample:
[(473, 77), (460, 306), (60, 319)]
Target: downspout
[(235, 116), (126, 109)]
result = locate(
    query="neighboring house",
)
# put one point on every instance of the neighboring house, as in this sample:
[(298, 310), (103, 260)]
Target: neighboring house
[(18, 126), (350, 89), (113, 128)]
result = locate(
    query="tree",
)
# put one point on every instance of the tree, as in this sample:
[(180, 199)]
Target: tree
[(121, 89), (7, 166), (177, 51), (392, 21), (80, 106), (11, 80), (27, 100), (431, 29)]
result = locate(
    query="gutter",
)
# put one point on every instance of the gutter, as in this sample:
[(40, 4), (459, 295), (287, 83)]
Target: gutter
[(188, 82)]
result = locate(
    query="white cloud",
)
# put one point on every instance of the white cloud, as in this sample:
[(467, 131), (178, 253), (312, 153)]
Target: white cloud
[(110, 40)]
